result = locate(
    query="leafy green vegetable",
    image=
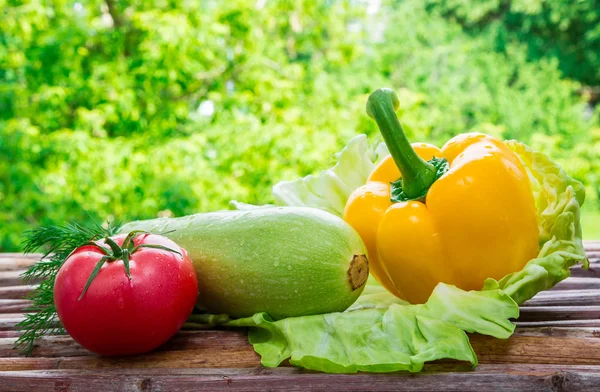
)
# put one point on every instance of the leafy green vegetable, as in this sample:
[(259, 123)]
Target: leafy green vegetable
[(331, 188), (375, 296), (381, 333), (384, 339)]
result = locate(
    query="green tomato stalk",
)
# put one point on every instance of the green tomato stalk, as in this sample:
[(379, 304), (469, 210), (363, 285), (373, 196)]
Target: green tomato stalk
[(117, 252)]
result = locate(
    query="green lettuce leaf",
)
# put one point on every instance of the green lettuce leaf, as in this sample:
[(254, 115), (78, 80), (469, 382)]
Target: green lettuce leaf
[(330, 189), (382, 333), (238, 205), (372, 337), (375, 296)]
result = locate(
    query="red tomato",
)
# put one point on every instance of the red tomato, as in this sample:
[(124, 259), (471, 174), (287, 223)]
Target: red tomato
[(122, 316)]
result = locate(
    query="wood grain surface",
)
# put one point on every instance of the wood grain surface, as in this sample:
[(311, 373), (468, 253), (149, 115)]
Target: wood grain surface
[(556, 347)]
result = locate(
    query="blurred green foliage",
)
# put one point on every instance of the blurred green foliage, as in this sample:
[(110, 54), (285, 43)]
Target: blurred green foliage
[(127, 110)]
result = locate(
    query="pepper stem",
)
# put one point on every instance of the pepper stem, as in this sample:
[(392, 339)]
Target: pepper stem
[(417, 174)]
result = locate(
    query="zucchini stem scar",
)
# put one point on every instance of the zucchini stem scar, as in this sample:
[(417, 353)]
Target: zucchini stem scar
[(358, 272)]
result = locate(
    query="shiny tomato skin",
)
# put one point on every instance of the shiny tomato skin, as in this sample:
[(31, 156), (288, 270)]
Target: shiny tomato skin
[(118, 316)]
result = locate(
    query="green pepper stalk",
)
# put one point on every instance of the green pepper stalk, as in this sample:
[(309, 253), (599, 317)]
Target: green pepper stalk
[(417, 175)]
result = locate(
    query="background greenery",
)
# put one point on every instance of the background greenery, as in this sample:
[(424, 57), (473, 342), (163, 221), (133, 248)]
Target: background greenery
[(132, 109)]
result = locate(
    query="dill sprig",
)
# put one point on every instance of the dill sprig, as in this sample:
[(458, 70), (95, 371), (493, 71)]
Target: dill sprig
[(58, 242)]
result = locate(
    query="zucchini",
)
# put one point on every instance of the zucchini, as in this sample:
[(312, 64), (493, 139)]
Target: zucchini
[(286, 261)]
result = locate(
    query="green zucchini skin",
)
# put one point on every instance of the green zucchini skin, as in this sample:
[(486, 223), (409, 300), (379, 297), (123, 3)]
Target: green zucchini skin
[(286, 261)]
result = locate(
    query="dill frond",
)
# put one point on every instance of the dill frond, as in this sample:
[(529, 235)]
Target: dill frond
[(57, 242)]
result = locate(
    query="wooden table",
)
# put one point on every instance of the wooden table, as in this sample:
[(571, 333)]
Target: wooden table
[(556, 347)]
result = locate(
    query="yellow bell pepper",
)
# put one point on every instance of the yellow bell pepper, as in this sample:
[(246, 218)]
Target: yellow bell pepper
[(457, 215)]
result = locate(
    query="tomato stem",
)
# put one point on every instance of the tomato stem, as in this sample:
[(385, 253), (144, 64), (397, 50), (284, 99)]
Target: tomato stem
[(95, 245), (126, 262), (116, 249), (128, 243), (153, 246), (94, 273), (117, 252)]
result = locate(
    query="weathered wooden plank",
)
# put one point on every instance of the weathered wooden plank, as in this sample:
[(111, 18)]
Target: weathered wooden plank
[(592, 272), (10, 321), (565, 298), (46, 346), (578, 284), (16, 292), (11, 278), (14, 278), (16, 261), (187, 350), (203, 357), (233, 357), (591, 245), (14, 305), (21, 363), (531, 378), (10, 315), (434, 367), (231, 349), (558, 323), (556, 313), (9, 334), (65, 346), (564, 332), (537, 349)]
